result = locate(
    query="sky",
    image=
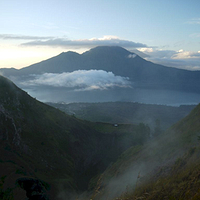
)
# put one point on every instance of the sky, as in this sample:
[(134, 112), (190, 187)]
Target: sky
[(167, 32)]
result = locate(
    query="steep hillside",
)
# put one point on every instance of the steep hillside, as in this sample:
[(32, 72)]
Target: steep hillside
[(39, 141), (46, 152), (167, 167), (34, 138), (181, 180)]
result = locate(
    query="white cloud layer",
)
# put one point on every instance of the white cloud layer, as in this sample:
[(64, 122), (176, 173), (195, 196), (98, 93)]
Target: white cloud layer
[(85, 43), (194, 21), (189, 60), (179, 59), (23, 37), (195, 35), (80, 80)]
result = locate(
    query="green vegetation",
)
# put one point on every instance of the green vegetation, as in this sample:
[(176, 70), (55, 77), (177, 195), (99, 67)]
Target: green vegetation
[(41, 142), (179, 181), (5, 194), (37, 139), (126, 113), (172, 164), (47, 150), (135, 133)]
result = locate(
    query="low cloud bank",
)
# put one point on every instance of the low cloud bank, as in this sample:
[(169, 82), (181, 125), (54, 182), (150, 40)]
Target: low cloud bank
[(189, 60), (85, 43), (22, 37), (80, 80)]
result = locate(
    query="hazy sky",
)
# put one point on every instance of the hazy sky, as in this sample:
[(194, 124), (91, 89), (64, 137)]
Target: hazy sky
[(168, 31)]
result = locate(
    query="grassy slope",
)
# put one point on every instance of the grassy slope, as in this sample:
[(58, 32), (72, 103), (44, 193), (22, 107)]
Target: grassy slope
[(37, 140), (167, 167), (42, 142), (182, 181)]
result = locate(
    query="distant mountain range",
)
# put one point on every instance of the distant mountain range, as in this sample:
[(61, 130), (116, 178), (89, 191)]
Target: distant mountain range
[(106, 73)]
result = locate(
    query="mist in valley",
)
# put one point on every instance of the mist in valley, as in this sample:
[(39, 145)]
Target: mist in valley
[(99, 100), (125, 160), (159, 97), (135, 167), (116, 151)]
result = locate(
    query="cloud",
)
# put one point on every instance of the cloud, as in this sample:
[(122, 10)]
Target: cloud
[(146, 49), (23, 37), (189, 60), (195, 35), (85, 43), (181, 54), (80, 80), (132, 55), (194, 21), (157, 53)]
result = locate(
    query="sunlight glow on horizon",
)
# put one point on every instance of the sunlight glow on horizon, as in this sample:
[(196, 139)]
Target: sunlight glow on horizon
[(34, 31), (15, 57)]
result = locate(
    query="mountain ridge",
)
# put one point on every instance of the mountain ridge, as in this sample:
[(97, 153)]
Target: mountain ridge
[(142, 75), (99, 51), (44, 149), (41, 145)]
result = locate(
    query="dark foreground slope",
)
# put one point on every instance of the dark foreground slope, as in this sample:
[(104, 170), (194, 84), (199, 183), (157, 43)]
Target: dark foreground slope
[(166, 168), (37, 140), (40, 142), (45, 153)]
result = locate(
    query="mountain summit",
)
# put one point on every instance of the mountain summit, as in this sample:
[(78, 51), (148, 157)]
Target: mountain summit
[(103, 72)]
